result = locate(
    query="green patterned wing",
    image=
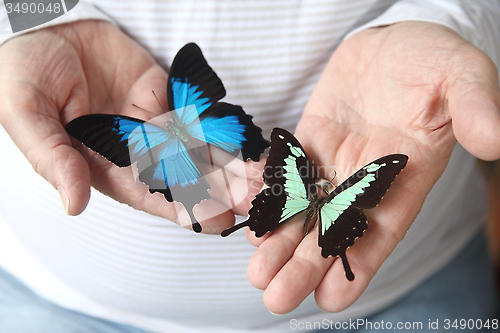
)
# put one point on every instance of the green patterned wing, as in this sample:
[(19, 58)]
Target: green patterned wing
[(341, 220), (291, 186)]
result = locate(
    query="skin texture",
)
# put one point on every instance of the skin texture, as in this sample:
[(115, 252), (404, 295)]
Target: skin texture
[(411, 88), (54, 75)]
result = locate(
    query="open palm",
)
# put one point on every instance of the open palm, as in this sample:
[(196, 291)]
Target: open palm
[(410, 88), (54, 75)]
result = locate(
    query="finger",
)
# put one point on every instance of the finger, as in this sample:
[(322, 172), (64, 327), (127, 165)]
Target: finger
[(122, 185), (299, 277), (34, 125), (213, 216), (64, 168), (387, 225), (474, 104), (236, 193), (256, 241), (30, 112), (274, 253), (246, 169), (365, 258)]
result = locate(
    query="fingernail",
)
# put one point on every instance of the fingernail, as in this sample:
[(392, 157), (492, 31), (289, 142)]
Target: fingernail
[(274, 314), (64, 198)]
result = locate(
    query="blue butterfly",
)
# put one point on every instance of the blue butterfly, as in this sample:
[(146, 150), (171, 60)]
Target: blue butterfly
[(292, 190), (169, 156)]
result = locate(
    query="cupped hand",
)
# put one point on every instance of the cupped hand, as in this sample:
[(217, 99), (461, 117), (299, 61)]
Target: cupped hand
[(412, 88), (51, 76)]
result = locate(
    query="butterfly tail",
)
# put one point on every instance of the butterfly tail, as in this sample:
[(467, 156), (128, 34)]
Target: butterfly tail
[(347, 268), (229, 231), (195, 224), (188, 207)]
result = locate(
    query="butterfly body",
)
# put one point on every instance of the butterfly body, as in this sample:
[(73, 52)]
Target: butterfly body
[(177, 132), (292, 190), (170, 151)]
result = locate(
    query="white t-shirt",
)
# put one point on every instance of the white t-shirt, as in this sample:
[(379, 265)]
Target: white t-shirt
[(125, 265)]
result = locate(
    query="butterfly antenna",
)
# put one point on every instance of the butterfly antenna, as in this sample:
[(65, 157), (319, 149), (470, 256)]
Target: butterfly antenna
[(334, 176), (153, 115), (326, 186), (143, 109), (163, 109)]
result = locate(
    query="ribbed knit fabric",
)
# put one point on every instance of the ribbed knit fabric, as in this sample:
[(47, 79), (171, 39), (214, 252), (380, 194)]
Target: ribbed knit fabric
[(125, 265)]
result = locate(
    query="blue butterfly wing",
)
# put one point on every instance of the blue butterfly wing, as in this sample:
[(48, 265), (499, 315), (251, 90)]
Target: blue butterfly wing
[(175, 174), (192, 82), (163, 162), (229, 128), (118, 138)]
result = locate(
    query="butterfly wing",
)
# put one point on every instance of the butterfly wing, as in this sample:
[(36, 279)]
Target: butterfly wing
[(192, 81), (371, 181), (341, 220), (116, 137), (290, 179), (172, 172), (229, 128), (163, 162), (341, 234), (226, 126)]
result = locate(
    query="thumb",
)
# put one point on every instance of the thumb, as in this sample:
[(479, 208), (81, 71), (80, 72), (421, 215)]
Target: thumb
[(474, 105), (67, 170), (37, 89), (35, 127)]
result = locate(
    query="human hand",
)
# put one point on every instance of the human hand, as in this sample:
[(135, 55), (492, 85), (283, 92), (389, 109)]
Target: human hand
[(412, 88), (51, 76)]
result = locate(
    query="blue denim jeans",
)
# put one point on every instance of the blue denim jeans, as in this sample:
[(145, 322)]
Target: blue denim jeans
[(22, 311), (463, 289)]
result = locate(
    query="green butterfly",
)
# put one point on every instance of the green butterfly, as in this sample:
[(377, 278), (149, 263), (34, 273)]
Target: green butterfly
[(292, 189)]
